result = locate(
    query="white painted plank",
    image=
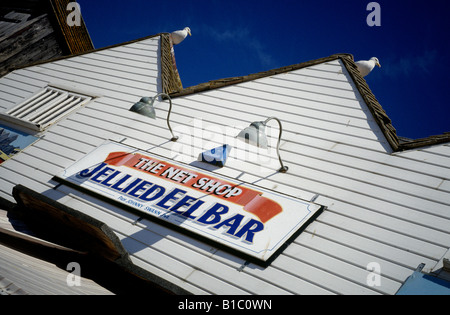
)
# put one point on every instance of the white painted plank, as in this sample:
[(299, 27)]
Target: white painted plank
[(238, 94), (213, 284), (59, 150), (444, 186), (44, 155), (112, 71), (334, 133), (78, 75), (7, 193), (172, 265), (291, 280), (286, 111), (163, 272), (426, 157), (319, 276), (39, 277), (392, 160), (438, 149), (25, 88), (222, 121), (286, 82), (208, 119), (134, 50), (287, 280), (7, 104), (333, 66), (304, 76), (85, 127), (105, 59), (201, 262), (302, 95), (13, 174), (361, 178), (12, 92), (375, 167), (369, 246), (409, 244), (353, 256), (104, 63), (7, 185), (127, 56), (415, 224), (19, 76), (341, 269), (39, 164), (71, 142), (91, 86), (314, 71)]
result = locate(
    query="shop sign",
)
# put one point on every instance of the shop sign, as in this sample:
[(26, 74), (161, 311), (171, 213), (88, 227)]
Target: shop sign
[(229, 212)]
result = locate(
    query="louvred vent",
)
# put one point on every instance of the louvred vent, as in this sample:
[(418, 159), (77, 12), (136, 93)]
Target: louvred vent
[(45, 108)]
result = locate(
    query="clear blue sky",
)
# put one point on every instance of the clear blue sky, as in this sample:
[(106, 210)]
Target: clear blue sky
[(234, 38)]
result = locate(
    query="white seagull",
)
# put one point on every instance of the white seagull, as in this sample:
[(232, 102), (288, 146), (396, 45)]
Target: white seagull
[(179, 36), (366, 66)]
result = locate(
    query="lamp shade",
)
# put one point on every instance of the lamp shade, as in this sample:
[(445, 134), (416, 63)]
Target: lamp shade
[(145, 107), (255, 134)]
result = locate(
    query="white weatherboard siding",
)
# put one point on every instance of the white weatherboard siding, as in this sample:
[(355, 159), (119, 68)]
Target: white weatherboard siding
[(383, 207)]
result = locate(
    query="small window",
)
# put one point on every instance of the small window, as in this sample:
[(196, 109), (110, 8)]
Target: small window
[(45, 108)]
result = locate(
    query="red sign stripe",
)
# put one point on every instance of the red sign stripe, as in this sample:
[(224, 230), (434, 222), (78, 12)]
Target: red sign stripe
[(251, 200)]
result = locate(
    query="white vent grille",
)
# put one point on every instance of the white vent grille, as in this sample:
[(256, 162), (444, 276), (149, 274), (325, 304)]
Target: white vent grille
[(45, 108)]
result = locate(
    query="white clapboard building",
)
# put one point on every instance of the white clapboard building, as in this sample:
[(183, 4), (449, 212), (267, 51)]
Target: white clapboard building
[(358, 210)]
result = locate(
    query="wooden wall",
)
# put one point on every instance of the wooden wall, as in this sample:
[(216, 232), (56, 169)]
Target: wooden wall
[(27, 41), (34, 31)]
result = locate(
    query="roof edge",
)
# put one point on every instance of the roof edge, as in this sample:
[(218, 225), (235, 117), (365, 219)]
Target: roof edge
[(428, 141), (170, 78), (378, 113)]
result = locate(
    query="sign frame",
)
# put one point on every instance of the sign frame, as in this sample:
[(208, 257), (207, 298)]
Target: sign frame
[(250, 217)]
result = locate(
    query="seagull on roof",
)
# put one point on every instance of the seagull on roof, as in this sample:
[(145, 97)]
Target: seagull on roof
[(179, 36), (366, 66)]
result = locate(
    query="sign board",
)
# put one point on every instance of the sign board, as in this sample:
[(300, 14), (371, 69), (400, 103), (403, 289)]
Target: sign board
[(12, 142), (237, 215)]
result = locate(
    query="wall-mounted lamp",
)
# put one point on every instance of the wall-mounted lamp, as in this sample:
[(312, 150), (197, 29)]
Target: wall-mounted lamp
[(145, 107), (255, 135)]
